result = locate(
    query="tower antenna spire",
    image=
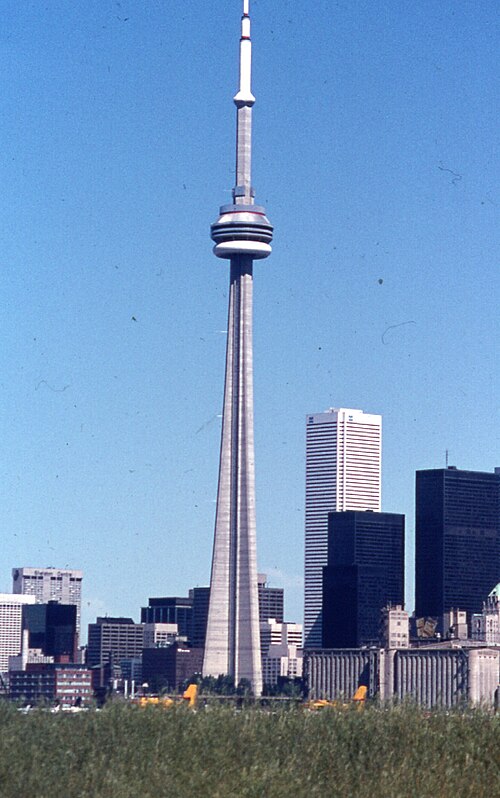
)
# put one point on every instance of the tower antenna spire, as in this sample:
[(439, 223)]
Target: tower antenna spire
[(244, 100)]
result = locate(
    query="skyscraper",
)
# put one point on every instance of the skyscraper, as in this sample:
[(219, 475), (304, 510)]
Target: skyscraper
[(50, 584), (457, 540), (52, 629), (365, 573), (343, 472), (241, 234), (271, 600), (113, 640), (11, 621)]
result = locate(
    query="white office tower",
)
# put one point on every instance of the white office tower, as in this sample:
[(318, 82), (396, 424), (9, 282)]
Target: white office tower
[(343, 472), (63, 585), (11, 619)]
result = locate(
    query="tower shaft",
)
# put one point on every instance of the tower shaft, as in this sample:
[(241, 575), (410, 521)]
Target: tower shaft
[(241, 234), (232, 641)]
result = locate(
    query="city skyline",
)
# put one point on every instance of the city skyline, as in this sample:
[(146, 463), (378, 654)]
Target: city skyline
[(374, 147)]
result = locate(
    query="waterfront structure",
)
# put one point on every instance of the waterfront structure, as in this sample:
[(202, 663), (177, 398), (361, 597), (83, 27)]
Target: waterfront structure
[(432, 677), (271, 600), (457, 540), (343, 472), (241, 234), (11, 620), (365, 573), (112, 640), (50, 584)]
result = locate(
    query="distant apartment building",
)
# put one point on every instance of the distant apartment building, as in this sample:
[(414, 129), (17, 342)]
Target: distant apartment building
[(11, 622), (63, 585), (343, 472)]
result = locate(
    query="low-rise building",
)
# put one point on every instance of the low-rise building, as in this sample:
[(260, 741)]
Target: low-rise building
[(167, 668), (66, 685)]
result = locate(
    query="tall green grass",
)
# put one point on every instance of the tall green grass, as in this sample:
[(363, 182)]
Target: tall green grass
[(220, 752)]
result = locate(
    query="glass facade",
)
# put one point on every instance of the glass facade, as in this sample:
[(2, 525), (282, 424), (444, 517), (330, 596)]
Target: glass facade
[(365, 573), (457, 539)]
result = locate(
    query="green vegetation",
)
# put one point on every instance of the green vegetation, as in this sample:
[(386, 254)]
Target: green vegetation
[(220, 752)]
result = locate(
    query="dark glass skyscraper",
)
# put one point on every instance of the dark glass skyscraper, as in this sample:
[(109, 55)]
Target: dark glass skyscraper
[(170, 609), (457, 540), (52, 628), (365, 573), (271, 601)]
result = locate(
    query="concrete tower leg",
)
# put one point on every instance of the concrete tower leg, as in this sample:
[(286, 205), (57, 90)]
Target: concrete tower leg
[(233, 641)]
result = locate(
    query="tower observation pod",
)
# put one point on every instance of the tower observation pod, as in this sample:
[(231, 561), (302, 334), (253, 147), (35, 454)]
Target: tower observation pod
[(241, 234)]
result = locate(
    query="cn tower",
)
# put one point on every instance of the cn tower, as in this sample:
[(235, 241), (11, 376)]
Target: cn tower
[(241, 234)]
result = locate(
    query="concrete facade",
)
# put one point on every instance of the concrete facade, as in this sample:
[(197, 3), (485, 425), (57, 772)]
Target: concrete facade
[(431, 677), (241, 234)]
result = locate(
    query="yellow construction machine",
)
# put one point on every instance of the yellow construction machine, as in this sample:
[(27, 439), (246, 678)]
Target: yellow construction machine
[(189, 697), (358, 699)]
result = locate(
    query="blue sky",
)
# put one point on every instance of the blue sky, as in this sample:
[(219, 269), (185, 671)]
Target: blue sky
[(376, 155)]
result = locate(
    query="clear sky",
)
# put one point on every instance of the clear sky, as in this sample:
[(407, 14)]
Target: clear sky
[(376, 155)]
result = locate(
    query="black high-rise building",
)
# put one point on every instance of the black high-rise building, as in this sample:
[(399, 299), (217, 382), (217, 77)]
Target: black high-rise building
[(200, 597), (52, 628), (170, 609), (271, 600), (365, 573), (457, 540)]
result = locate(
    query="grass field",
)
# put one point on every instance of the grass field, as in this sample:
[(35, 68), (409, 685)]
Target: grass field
[(127, 752)]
